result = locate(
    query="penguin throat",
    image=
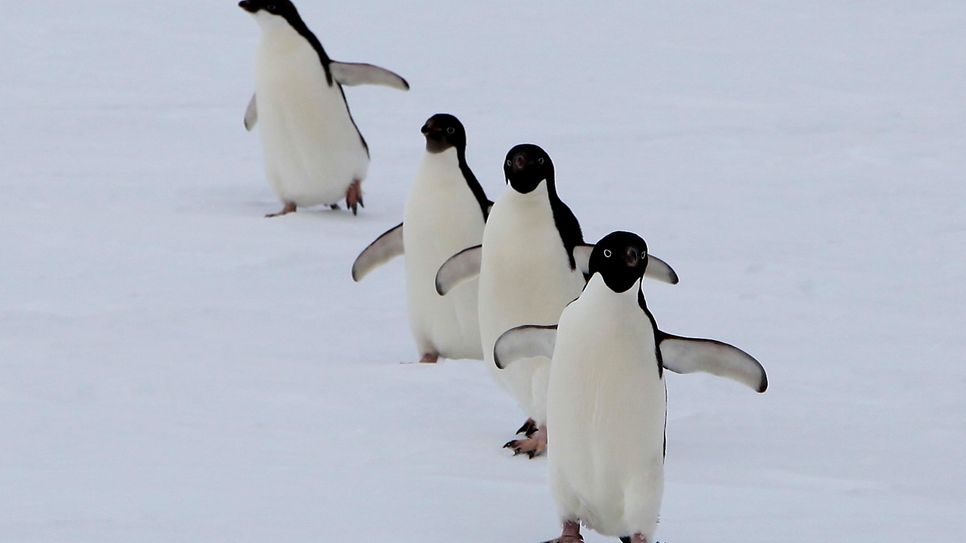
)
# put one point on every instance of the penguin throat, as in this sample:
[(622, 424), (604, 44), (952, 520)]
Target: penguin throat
[(614, 286), (441, 162), (270, 22), (540, 191)]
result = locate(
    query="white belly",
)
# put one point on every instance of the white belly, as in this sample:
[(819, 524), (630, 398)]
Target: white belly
[(442, 217), (313, 152), (525, 279), (606, 414)]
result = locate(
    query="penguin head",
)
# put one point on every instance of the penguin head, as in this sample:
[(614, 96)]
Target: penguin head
[(620, 258), (268, 8), (526, 166), (442, 132)]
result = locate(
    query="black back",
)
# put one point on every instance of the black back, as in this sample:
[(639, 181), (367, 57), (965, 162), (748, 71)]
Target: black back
[(525, 167), (444, 131)]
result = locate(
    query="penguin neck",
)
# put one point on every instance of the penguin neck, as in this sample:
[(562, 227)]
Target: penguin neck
[(281, 32), (439, 168), (539, 196), (273, 25), (598, 289), (448, 167)]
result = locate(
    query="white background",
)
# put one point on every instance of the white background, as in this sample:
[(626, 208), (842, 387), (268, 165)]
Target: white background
[(174, 367)]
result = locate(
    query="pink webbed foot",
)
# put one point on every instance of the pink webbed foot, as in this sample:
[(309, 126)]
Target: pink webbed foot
[(429, 358), (290, 207), (353, 197), (570, 534), (529, 428), (532, 446)]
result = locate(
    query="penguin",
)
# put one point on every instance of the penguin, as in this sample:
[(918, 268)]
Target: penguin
[(446, 211), (607, 398), (314, 152), (531, 264)]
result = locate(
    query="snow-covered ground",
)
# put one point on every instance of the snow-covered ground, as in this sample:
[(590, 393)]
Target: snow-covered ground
[(174, 367)]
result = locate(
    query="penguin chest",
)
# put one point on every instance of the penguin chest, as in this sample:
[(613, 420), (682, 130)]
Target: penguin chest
[(525, 277), (312, 148), (442, 217), (606, 409)]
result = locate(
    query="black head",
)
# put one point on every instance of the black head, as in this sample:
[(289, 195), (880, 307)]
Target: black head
[(526, 166), (282, 8), (620, 258), (442, 132)]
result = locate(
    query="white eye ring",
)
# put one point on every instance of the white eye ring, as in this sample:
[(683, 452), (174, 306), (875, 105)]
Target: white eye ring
[(540, 161), (509, 162), (451, 130), (608, 253)]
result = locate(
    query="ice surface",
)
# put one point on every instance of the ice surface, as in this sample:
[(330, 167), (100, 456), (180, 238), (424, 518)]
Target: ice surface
[(174, 367)]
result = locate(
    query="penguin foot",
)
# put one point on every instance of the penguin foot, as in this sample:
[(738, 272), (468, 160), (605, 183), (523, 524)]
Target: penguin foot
[(570, 534), (528, 428), (353, 197), (290, 207), (429, 358), (335, 207), (532, 446)]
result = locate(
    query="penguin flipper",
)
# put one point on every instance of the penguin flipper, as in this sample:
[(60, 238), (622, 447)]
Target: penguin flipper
[(251, 114), (657, 269), (660, 270), (386, 247), (526, 341), (690, 355), (354, 73), (582, 258), (460, 267)]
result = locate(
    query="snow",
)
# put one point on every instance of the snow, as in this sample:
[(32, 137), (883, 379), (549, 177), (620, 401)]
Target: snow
[(174, 367)]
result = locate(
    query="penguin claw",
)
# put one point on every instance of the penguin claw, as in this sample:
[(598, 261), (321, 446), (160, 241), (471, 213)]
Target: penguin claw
[(289, 207), (532, 446), (529, 428), (353, 197)]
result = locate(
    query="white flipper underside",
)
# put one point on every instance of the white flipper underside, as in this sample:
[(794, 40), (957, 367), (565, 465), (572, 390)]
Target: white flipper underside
[(385, 248), (524, 342), (690, 355), (353, 73), (657, 269), (462, 266), (679, 354), (251, 114)]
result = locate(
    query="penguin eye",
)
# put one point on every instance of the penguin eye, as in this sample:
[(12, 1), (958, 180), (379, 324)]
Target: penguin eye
[(540, 161), (608, 253), (509, 163), (451, 130)]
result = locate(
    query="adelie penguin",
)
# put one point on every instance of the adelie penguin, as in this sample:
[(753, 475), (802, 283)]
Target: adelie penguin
[(531, 264), (607, 400), (445, 212), (314, 152)]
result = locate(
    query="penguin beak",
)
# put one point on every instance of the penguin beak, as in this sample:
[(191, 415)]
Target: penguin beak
[(431, 132), (247, 6)]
